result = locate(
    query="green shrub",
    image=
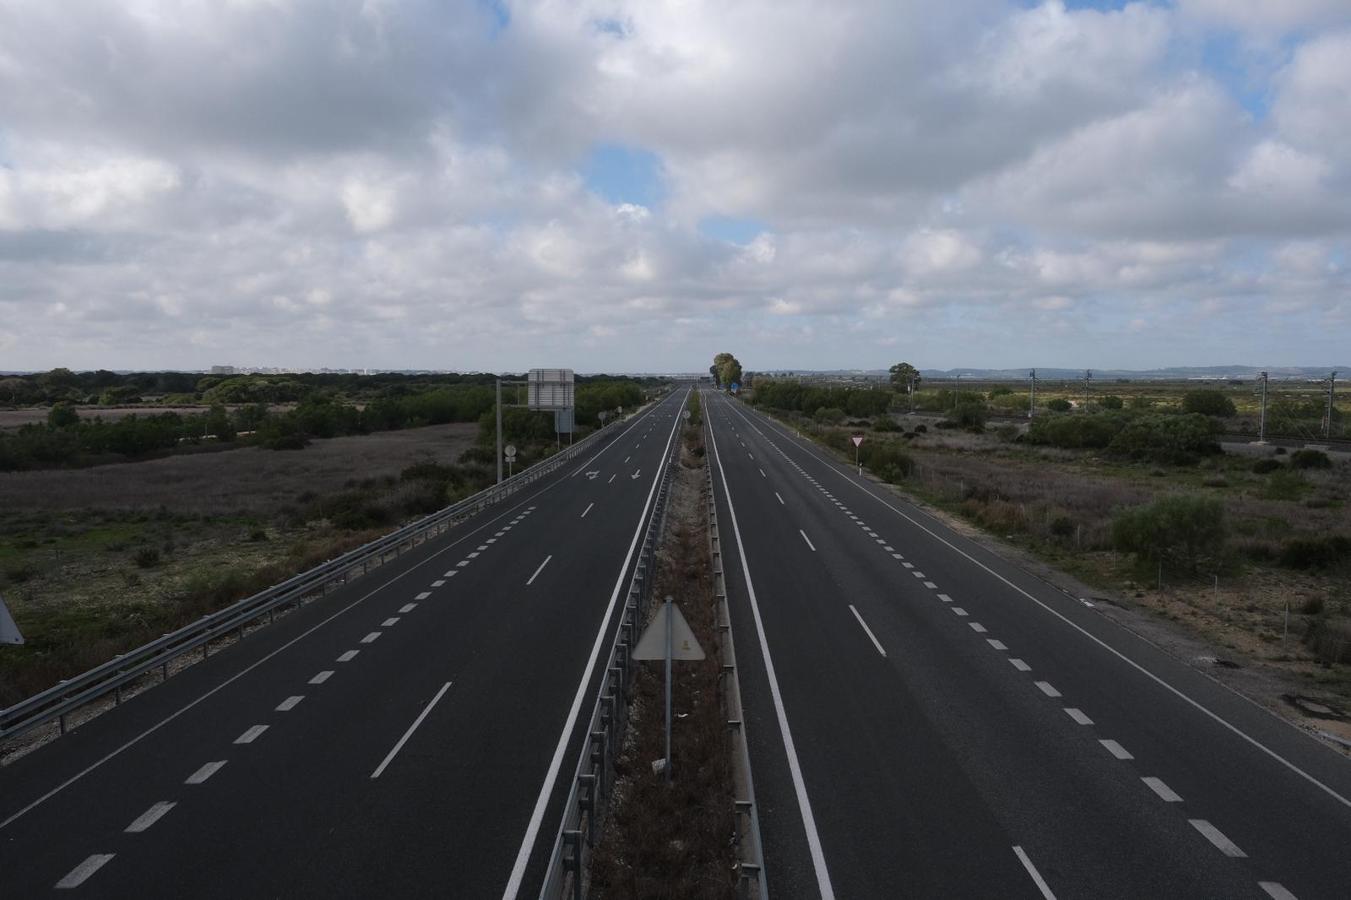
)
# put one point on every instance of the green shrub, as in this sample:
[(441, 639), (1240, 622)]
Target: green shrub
[(1093, 431), (886, 460), (1059, 404), (1111, 401), (1310, 459), (1208, 403), (970, 416), (1181, 530), (146, 557), (1315, 553), (1285, 485), (830, 414), (1266, 466), (1176, 440), (885, 423)]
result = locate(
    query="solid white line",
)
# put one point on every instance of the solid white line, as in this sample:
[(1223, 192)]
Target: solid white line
[(251, 735), (587, 510), (409, 733), (1216, 837), (823, 884), (807, 539), (80, 873), (289, 703), (370, 637), (531, 579), (1195, 704), (781, 503), (150, 817), (392, 620), (546, 790), (871, 636), (348, 656), (206, 772), (1020, 665), (1116, 749), (1078, 715), (1047, 689), (407, 608), (1166, 794), (998, 645), (1276, 890), (1036, 876), (321, 677)]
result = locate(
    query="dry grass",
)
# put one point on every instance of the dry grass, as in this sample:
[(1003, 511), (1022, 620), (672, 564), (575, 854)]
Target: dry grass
[(675, 841)]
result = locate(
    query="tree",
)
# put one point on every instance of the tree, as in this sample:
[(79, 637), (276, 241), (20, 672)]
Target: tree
[(63, 415), (1208, 403), (1179, 529), (726, 370), (904, 375)]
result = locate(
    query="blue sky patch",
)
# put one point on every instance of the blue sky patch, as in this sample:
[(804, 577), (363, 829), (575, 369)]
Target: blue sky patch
[(623, 174), (734, 231)]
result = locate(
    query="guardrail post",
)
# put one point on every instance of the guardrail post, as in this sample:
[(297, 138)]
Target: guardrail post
[(586, 804), (572, 860)]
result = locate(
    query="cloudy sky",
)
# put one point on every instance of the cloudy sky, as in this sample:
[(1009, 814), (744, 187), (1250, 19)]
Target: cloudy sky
[(615, 185)]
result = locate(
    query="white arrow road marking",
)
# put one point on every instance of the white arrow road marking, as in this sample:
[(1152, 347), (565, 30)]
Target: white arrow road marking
[(636, 473)]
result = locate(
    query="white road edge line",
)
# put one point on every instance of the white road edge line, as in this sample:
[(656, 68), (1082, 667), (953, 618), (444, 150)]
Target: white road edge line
[(78, 875), (409, 733), (546, 790), (150, 817), (823, 883), (1036, 876), (206, 772), (807, 539), (869, 631), (531, 580), (1195, 704), (1216, 837)]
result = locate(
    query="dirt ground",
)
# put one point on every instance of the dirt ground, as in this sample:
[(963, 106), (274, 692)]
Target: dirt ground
[(249, 480)]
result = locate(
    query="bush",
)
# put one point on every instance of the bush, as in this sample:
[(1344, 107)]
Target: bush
[(1285, 485), (1111, 401), (1182, 530), (885, 423), (970, 416), (1310, 459), (1208, 403), (1059, 404), (1176, 440), (886, 460), (1315, 553), (146, 557), (1094, 431), (1330, 639), (1266, 466), (830, 414)]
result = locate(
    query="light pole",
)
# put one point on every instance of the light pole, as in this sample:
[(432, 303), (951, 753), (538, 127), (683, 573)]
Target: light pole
[(499, 430), (1032, 402), (1088, 376), (1327, 423), (1262, 418)]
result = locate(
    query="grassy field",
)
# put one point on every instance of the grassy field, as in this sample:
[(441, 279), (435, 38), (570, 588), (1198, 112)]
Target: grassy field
[(1059, 506), (95, 561)]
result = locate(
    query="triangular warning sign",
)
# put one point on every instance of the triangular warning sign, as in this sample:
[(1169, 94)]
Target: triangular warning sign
[(652, 643), (9, 632)]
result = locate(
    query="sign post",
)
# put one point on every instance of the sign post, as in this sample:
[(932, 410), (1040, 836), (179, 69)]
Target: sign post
[(668, 636), (857, 439), (9, 632), (510, 454)]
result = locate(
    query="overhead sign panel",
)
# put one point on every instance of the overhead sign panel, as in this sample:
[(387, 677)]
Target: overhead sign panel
[(549, 389)]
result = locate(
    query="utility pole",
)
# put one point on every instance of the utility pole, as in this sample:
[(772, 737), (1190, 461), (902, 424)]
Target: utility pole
[(1088, 376), (1327, 423), (1262, 418), (1032, 402), (912, 393), (499, 430)]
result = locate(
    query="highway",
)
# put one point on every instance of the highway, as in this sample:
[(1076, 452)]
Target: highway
[(410, 735), (928, 720)]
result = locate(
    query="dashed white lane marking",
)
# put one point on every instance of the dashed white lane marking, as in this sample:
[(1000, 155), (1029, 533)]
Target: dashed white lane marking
[(957, 610), (407, 608), (321, 677), (290, 703), (423, 596), (348, 656), (1019, 665), (1047, 688), (868, 630), (1166, 794), (627, 458), (1078, 715), (392, 620), (587, 510), (807, 539), (451, 574), (206, 772), (1116, 749), (931, 586), (440, 582), (462, 563), (762, 473), (473, 555), (480, 548), (1214, 835), (612, 478), (251, 735), (889, 548), (945, 598), (499, 533), (409, 733), (78, 875), (918, 574), (908, 565), (781, 503), (977, 627), (880, 540), (997, 644), (1276, 890), (896, 556), (150, 817), (532, 578), (1036, 876), (370, 637)]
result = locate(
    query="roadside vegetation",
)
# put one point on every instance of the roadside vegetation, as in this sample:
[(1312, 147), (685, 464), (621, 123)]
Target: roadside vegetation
[(1133, 496)]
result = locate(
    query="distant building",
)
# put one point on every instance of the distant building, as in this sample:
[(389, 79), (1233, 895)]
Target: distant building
[(222, 370)]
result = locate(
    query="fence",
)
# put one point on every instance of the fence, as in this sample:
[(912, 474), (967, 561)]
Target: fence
[(58, 702)]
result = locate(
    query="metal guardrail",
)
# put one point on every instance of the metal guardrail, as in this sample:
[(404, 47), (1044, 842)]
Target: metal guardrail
[(588, 798), (59, 701), (752, 883)]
